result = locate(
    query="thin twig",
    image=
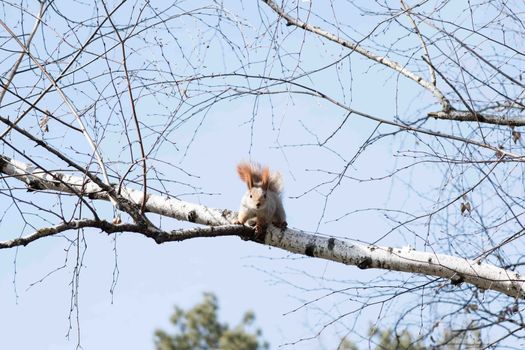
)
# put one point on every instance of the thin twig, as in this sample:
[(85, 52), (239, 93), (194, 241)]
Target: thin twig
[(408, 11), (359, 49), (63, 73), (70, 106), (12, 74), (133, 109)]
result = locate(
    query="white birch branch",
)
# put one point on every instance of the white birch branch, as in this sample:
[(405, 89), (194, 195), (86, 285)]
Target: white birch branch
[(219, 223), (482, 275), (467, 116), (39, 179)]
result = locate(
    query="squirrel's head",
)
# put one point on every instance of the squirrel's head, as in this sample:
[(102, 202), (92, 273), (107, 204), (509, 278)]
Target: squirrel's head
[(257, 197), (257, 180)]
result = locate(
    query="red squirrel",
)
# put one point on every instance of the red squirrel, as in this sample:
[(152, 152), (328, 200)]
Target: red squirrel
[(261, 204)]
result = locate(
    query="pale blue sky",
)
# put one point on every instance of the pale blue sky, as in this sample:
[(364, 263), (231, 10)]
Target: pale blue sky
[(244, 275)]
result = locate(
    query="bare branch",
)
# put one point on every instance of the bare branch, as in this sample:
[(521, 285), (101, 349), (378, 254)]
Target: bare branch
[(431, 71), (133, 108), (12, 74), (159, 236), (70, 105), (445, 104)]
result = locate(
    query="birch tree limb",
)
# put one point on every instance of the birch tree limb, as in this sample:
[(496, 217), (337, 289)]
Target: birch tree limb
[(220, 223), (39, 179), (467, 116)]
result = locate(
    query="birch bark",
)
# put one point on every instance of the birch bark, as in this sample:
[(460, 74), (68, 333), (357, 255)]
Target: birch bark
[(220, 223)]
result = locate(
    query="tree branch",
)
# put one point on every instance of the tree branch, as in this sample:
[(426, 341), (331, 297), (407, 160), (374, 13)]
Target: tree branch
[(445, 104), (133, 108), (482, 275), (220, 223), (67, 101), (12, 73), (467, 116), (447, 111), (159, 236), (38, 179), (408, 11)]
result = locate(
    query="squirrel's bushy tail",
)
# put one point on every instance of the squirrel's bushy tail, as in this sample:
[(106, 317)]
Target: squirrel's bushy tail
[(276, 182)]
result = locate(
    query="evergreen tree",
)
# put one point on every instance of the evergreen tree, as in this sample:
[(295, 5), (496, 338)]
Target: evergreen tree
[(200, 329), (387, 339)]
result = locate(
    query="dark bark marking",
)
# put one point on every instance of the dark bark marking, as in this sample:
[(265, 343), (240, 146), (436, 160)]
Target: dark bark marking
[(4, 161), (456, 280), (365, 263), (331, 244), (192, 216), (35, 185), (309, 251)]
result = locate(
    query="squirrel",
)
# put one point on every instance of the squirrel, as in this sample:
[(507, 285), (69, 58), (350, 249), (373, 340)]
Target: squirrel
[(261, 204)]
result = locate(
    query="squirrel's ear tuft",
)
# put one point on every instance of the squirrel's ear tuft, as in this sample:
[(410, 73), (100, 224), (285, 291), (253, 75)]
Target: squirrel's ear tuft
[(265, 178), (245, 173)]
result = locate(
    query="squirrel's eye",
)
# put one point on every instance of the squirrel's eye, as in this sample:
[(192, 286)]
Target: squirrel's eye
[(250, 196), (265, 195)]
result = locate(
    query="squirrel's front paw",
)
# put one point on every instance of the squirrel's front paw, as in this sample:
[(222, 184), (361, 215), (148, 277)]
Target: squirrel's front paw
[(260, 229)]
